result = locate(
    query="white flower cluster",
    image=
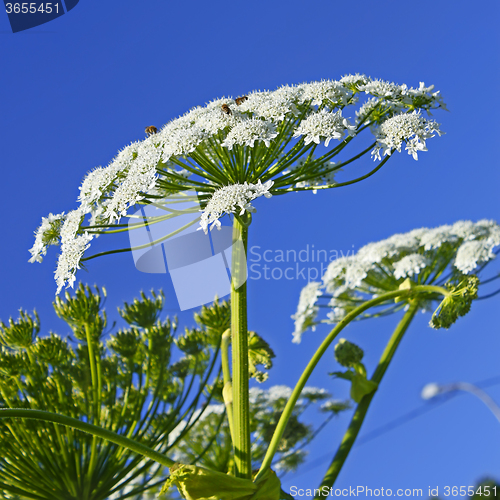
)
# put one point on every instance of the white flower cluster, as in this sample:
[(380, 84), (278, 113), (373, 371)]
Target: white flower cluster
[(202, 142), (423, 96), (254, 119), (231, 199), (73, 245), (410, 128), (246, 132), (306, 309), (329, 92), (44, 236), (324, 126), (423, 255)]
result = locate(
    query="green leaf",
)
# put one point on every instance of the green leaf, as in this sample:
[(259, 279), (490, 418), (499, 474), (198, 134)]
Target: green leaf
[(198, 483), (361, 387), (259, 353), (406, 285), (347, 375)]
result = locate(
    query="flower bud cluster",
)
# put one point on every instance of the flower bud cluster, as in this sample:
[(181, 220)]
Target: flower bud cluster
[(348, 354)]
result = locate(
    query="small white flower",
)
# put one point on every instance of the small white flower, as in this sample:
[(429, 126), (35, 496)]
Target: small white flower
[(326, 91), (274, 106), (436, 237), (140, 179), (472, 253), (355, 80), (247, 131), (324, 126), (306, 310), (410, 128), (410, 265), (278, 392), (73, 245), (42, 237), (231, 199)]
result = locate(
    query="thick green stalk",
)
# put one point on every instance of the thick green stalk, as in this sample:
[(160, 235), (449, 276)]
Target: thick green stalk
[(362, 408), (239, 334), (287, 412), (90, 429)]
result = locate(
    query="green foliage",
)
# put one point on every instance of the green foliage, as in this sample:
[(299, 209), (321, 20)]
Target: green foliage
[(209, 442), (143, 313), (259, 353), (198, 483), (83, 310), (129, 385), (214, 320), (20, 334), (463, 291), (350, 355)]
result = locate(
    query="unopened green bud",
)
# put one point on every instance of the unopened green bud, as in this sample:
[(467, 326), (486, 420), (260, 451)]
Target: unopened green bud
[(83, 310), (145, 312), (457, 303), (20, 334), (53, 350), (348, 354), (125, 343)]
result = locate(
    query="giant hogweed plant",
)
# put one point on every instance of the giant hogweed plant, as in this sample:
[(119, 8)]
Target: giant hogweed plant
[(128, 386), (134, 384), (436, 269), (230, 152)]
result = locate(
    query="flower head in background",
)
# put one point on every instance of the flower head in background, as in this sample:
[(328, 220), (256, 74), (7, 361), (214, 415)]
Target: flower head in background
[(266, 408), (232, 151), (438, 256)]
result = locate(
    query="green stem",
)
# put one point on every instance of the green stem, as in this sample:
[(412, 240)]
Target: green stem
[(362, 408), (239, 333), (227, 391), (287, 412), (96, 390), (94, 430)]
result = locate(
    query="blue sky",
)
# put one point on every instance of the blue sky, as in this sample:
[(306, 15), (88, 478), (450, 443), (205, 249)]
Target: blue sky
[(76, 90)]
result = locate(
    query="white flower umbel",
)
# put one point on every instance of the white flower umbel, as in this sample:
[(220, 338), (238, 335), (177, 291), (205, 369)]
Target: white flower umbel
[(246, 132), (329, 92), (233, 199), (324, 126), (47, 234), (425, 256), (306, 310), (410, 265), (73, 246), (411, 128), (249, 139)]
